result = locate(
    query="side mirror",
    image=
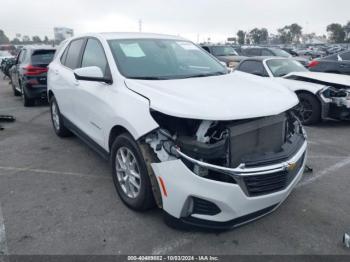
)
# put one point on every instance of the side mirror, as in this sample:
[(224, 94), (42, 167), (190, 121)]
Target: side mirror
[(91, 73)]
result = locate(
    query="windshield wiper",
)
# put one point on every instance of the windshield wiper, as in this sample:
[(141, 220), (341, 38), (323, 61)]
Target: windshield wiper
[(206, 75), (148, 78)]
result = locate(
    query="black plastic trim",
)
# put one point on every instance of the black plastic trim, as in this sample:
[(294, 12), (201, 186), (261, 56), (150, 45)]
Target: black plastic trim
[(85, 138)]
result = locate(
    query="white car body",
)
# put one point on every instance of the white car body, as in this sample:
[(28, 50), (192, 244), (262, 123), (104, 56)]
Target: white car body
[(96, 108), (317, 83)]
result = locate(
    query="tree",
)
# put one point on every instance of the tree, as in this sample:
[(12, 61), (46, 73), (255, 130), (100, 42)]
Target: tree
[(46, 40), (285, 35), (347, 31), (336, 33), (36, 39), (259, 35), (241, 37), (290, 33), (296, 32), (16, 41), (3, 38)]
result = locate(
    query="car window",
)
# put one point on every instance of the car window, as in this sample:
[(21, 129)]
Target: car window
[(161, 59), (345, 56), (223, 51), (42, 57), (253, 67), (206, 48), (282, 67), (266, 52), (64, 55), (253, 52), (94, 55), (73, 54), (22, 56)]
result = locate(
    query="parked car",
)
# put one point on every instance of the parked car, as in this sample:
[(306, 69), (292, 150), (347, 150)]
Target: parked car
[(321, 95), (212, 149), (338, 64), (271, 51), (5, 55), (29, 74), (224, 53)]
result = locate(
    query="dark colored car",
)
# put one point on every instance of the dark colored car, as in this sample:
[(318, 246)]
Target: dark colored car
[(224, 53), (29, 74), (271, 51), (338, 63)]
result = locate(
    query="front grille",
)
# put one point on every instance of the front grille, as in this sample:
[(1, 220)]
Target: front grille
[(271, 183), (204, 207)]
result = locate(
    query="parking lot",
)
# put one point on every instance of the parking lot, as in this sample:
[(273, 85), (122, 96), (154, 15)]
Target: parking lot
[(57, 197)]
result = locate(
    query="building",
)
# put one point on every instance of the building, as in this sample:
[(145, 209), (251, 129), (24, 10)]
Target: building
[(62, 33)]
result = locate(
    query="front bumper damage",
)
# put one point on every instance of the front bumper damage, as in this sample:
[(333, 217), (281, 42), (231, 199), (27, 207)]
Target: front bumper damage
[(335, 103), (196, 192), (235, 205)]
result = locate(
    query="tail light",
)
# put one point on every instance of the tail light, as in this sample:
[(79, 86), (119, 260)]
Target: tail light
[(34, 70), (313, 63)]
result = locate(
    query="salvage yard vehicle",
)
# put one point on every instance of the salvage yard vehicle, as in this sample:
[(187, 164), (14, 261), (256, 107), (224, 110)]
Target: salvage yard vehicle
[(212, 149), (28, 76), (337, 63), (224, 53), (321, 95), (272, 51)]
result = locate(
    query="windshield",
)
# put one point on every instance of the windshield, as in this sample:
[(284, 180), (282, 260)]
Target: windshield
[(42, 57), (159, 59), (281, 53), (282, 67), (224, 51)]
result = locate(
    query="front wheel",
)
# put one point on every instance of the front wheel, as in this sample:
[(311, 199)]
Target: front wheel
[(57, 121), (130, 174), (309, 110)]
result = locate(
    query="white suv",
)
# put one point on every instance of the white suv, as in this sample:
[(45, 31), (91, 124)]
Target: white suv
[(211, 149)]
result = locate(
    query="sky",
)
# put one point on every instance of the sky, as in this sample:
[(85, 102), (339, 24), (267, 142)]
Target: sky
[(193, 19)]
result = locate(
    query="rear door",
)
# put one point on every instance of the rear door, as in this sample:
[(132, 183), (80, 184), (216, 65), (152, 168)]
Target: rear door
[(20, 60), (63, 80)]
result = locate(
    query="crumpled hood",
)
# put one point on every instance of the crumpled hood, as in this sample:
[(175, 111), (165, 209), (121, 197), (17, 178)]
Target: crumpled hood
[(226, 97), (295, 85), (326, 78)]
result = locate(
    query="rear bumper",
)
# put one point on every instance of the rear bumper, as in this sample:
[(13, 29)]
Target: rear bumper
[(235, 205), (36, 91)]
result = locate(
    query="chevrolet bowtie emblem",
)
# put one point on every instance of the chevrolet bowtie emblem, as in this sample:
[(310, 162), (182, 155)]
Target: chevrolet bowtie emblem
[(291, 166)]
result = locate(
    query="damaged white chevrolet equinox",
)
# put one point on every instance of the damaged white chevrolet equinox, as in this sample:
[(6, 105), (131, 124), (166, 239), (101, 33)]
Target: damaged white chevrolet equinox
[(212, 149)]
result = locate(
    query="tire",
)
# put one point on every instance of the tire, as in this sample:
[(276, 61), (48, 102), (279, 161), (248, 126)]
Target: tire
[(309, 110), (27, 102), (58, 126), (15, 91), (134, 169)]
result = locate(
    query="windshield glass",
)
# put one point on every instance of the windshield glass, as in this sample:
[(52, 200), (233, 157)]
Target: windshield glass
[(42, 57), (281, 53), (159, 59), (223, 51), (282, 67)]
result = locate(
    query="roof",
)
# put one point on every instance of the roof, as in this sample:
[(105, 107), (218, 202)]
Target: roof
[(130, 35)]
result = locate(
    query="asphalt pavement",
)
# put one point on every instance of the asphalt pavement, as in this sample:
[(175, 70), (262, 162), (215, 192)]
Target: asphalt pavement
[(57, 197)]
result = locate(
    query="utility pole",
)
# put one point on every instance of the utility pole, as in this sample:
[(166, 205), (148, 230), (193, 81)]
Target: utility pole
[(140, 25)]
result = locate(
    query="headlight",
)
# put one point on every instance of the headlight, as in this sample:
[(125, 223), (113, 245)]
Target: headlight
[(232, 64)]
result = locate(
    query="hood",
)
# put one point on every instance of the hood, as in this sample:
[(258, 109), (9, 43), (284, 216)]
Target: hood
[(322, 78), (295, 85), (227, 97)]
